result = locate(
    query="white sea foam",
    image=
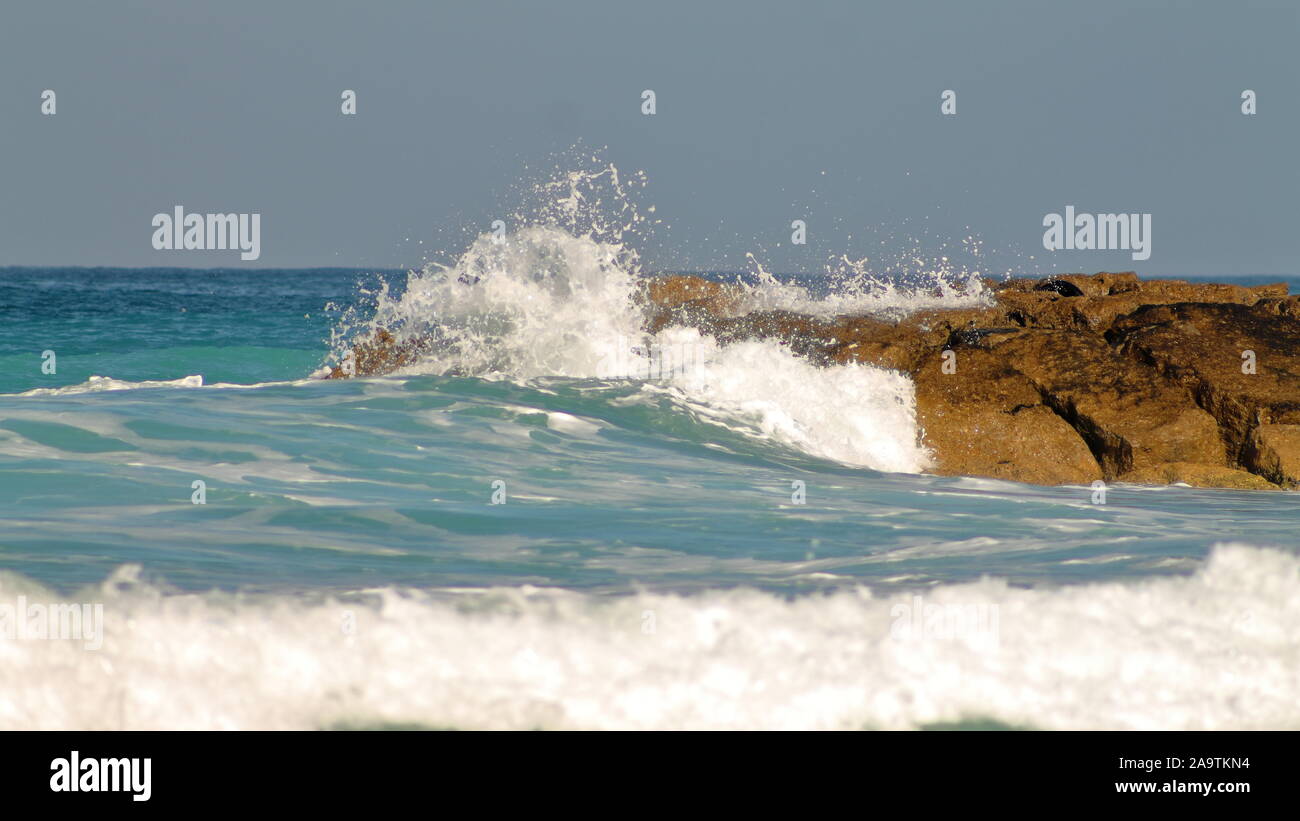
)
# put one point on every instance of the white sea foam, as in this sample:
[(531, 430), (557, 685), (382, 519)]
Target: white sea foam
[(1212, 650), (544, 302), (855, 414), (97, 384), (101, 384), (540, 302)]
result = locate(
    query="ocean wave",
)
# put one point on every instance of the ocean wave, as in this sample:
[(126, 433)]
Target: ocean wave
[(98, 384), (1211, 650), (543, 303)]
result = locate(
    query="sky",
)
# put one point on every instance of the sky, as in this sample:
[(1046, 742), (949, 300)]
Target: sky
[(765, 113)]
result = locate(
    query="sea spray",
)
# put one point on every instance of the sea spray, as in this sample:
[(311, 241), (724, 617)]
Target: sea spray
[(854, 414), (557, 292)]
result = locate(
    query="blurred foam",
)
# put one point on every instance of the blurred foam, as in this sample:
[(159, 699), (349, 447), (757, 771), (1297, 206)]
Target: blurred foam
[(1213, 650)]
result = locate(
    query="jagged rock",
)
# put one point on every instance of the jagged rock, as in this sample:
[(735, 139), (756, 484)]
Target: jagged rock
[(1128, 416), (1203, 347), (679, 289), (1105, 297), (687, 300), (1062, 287), (1090, 285), (1273, 451), (381, 353), (986, 419), (1279, 306)]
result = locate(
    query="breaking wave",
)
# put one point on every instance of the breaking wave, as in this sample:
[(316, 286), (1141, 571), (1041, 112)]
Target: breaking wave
[(1213, 650), (561, 295)]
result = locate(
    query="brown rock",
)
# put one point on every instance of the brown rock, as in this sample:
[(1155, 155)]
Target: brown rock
[(679, 289), (1197, 475), (1279, 306), (904, 345), (1035, 309), (1273, 290), (1091, 285), (688, 300), (380, 353), (986, 419), (1169, 291), (1273, 451), (1129, 418), (1104, 297), (1201, 347)]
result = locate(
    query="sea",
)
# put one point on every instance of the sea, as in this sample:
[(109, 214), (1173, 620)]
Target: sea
[(554, 522)]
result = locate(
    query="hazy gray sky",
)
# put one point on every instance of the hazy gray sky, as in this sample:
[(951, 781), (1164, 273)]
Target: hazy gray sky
[(235, 106)]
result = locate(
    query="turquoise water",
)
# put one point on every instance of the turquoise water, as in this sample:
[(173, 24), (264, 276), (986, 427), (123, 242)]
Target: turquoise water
[(651, 564)]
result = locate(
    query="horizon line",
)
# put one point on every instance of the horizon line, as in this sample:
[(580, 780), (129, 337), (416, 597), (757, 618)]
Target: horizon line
[(680, 271)]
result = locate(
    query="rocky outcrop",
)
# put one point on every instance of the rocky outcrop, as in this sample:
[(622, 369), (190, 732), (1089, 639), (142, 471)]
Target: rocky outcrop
[(1129, 417), (1242, 363), (1273, 452), (1072, 378), (1055, 381), (380, 353), (1198, 475), (993, 422)]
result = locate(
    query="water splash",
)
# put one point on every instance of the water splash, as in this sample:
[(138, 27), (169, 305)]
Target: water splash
[(557, 291)]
